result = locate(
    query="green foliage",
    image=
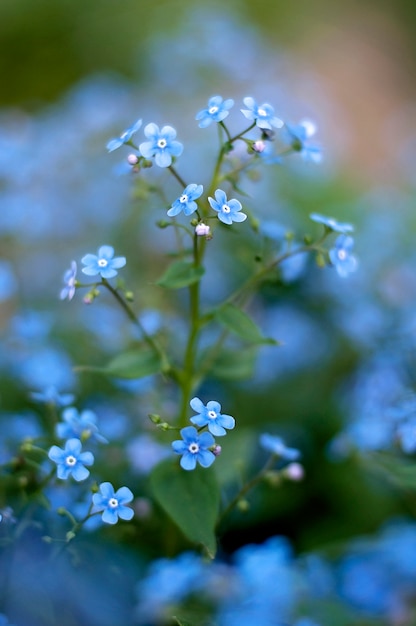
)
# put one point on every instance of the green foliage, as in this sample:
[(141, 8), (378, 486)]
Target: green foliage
[(232, 364), (181, 274), (238, 322), (131, 364)]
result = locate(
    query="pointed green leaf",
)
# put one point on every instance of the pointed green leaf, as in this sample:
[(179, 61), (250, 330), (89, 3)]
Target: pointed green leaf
[(190, 498), (239, 323), (180, 274), (132, 364), (232, 364)]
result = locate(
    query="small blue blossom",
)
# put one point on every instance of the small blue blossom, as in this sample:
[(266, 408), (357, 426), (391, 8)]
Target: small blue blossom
[(341, 256), (51, 396), (80, 425), (277, 446), (4, 621), (70, 461), (125, 137), (263, 115), (161, 145), (69, 279), (186, 202), (194, 448), (407, 436), (217, 110), (113, 503), (210, 415), (229, 211), (103, 263), (331, 223), (298, 136)]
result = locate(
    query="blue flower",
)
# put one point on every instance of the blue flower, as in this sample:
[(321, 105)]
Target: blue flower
[(69, 279), (125, 137), (341, 256), (194, 448), (277, 446), (331, 223), (161, 145), (186, 202), (70, 461), (80, 425), (298, 136), (210, 415), (263, 115), (103, 263), (217, 110), (228, 211), (50, 395), (407, 436), (113, 503)]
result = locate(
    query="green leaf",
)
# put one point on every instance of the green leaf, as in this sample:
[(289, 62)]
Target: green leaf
[(239, 323), (401, 472), (190, 498), (232, 364), (132, 364), (180, 274)]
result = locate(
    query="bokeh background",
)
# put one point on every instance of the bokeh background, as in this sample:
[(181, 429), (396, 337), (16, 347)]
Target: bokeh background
[(76, 73)]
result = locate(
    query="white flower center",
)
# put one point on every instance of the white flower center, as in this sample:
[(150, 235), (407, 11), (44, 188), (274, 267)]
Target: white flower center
[(113, 503), (262, 112), (226, 208), (70, 460), (342, 255), (183, 199), (212, 110), (162, 143), (102, 262), (212, 415), (193, 448)]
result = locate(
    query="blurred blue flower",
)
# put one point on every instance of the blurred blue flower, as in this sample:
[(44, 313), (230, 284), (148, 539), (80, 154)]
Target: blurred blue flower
[(210, 415), (407, 436), (70, 461), (4, 621), (263, 115), (194, 448), (82, 425), (298, 135), (276, 446), (103, 263), (186, 202), (217, 110), (341, 256), (161, 145), (229, 211), (113, 503), (8, 282), (331, 223), (69, 279), (125, 137), (144, 453), (50, 395)]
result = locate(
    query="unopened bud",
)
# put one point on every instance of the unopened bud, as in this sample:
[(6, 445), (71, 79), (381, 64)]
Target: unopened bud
[(216, 450), (243, 505), (259, 146), (156, 419), (202, 230), (133, 159), (294, 471)]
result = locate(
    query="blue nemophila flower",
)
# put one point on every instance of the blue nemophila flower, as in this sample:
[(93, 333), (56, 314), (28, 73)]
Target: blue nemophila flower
[(331, 223), (263, 115), (103, 263), (50, 395), (216, 111), (194, 448), (80, 425), (186, 202), (113, 503), (125, 137), (210, 415), (277, 446), (71, 461), (229, 211), (341, 256), (298, 137), (162, 145), (69, 279)]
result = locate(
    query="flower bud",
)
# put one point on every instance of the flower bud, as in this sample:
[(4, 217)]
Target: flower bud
[(132, 159), (202, 230), (259, 146), (294, 471), (216, 450)]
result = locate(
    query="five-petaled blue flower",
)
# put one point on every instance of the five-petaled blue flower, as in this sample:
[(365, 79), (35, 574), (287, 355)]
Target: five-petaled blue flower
[(331, 223), (228, 210), (80, 425), (103, 263), (161, 145), (186, 202), (50, 395), (276, 445), (263, 115), (69, 279), (217, 110), (210, 415), (125, 137), (194, 448), (113, 503), (341, 256), (70, 461), (298, 137)]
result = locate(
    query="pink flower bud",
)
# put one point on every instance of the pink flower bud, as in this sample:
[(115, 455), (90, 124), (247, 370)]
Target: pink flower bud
[(259, 146), (294, 471), (132, 159), (202, 230)]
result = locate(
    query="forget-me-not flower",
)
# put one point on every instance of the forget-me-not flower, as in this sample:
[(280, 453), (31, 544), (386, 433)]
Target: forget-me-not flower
[(276, 446), (71, 461), (194, 448), (50, 395), (298, 137), (162, 145), (186, 202), (341, 256), (229, 211), (103, 263), (69, 279), (125, 137), (80, 425), (331, 223), (210, 415), (113, 503), (263, 115), (216, 111)]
